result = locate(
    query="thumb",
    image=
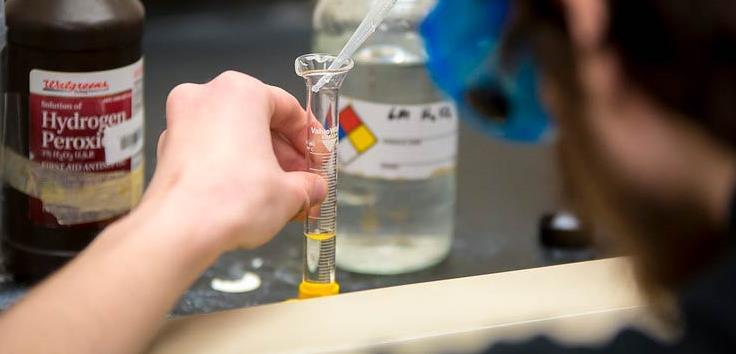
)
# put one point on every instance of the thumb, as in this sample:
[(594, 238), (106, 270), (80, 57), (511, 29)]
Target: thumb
[(313, 186)]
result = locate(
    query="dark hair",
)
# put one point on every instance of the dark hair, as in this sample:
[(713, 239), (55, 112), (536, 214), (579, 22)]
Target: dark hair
[(682, 54)]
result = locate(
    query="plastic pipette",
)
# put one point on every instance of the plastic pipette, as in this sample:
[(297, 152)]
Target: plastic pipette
[(376, 14)]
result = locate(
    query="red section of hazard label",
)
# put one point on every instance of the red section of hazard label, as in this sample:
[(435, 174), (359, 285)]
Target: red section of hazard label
[(349, 120)]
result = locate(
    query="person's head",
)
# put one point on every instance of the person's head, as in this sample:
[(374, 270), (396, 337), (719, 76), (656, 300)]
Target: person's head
[(644, 96)]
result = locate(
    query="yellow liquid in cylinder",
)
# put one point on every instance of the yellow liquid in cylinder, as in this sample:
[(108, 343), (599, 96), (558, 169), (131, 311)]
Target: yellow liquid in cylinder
[(324, 236), (319, 266), (319, 260)]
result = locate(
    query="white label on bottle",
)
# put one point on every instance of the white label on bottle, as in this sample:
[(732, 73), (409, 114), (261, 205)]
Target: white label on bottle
[(87, 121), (87, 129), (124, 140), (390, 141)]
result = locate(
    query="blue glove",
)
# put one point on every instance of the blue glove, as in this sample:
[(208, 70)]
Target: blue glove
[(462, 38)]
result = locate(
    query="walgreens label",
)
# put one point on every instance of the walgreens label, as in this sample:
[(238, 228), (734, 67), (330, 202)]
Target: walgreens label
[(88, 122)]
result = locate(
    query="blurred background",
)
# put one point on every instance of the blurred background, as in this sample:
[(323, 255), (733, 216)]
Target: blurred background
[(503, 189)]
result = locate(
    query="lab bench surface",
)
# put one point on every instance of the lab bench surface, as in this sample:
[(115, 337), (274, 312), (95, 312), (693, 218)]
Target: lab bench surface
[(503, 189)]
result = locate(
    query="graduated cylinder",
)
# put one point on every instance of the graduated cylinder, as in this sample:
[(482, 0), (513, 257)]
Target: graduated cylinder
[(322, 124)]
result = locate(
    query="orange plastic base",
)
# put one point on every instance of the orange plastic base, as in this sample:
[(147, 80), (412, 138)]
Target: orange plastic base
[(313, 290)]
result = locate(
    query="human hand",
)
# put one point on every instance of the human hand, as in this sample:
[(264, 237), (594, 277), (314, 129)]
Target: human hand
[(230, 163)]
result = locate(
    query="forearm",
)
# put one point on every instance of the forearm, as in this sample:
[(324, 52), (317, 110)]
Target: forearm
[(112, 298), (212, 192)]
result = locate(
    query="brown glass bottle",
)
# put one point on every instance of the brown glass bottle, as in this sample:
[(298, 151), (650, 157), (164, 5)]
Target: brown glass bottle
[(72, 51)]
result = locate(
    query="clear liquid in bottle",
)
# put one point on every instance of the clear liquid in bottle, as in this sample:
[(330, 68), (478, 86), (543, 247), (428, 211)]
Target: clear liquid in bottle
[(397, 149)]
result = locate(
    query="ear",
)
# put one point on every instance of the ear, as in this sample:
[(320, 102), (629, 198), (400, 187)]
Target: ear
[(587, 21)]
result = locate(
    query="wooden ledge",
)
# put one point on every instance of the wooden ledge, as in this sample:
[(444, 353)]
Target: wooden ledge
[(586, 300)]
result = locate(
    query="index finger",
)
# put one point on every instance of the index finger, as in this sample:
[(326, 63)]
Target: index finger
[(288, 118)]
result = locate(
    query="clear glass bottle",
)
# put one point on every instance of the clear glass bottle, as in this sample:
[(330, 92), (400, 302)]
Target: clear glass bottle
[(398, 144)]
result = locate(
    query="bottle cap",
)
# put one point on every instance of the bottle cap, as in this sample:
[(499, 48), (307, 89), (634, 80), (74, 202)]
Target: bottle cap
[(563, 230)]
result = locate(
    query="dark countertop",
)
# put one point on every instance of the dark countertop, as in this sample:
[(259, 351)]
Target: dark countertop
[(502, 189)]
